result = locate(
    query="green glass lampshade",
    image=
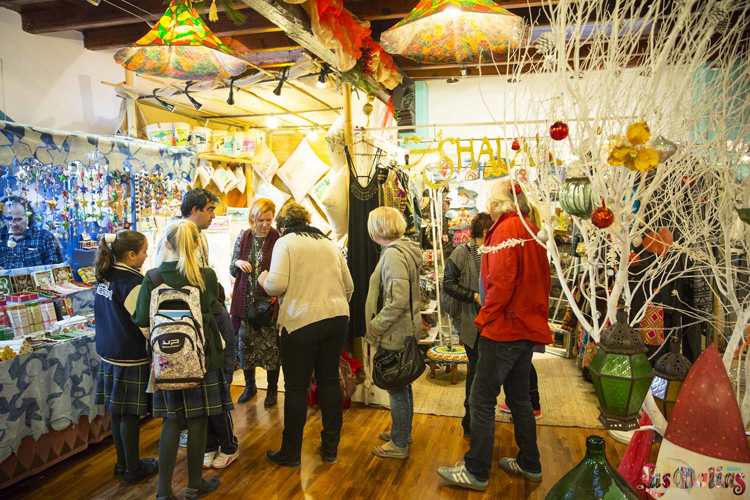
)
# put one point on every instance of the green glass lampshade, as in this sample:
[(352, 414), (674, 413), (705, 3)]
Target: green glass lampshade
[(593, 478), (621, 375)]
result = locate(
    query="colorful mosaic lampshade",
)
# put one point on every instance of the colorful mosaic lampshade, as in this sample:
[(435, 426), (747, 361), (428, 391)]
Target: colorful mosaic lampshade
[(670, 370), (182, 47), (621, 375), (455, 31)]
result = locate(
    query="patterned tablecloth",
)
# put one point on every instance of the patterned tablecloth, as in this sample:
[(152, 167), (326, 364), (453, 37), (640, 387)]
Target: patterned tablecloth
[(49, 389)]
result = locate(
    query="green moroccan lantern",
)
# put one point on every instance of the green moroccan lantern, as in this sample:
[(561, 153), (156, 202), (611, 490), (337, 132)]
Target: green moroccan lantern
[(621, 374)]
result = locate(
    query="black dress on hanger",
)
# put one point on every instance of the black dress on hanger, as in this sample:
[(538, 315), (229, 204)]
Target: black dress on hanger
[(363, 252)]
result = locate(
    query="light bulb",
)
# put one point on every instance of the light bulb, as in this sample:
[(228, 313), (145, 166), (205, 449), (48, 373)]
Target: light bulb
[(453, 11), (313, 135), (272, 122), (321, 84)]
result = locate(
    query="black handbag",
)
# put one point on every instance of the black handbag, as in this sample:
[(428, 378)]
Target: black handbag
[(259, 308), (398, 368)]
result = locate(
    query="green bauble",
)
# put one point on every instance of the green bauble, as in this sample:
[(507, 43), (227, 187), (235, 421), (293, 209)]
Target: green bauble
[(593, 479)]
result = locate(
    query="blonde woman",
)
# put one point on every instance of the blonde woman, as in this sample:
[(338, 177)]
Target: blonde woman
[(392, 314), (258, 345), (209, 398)]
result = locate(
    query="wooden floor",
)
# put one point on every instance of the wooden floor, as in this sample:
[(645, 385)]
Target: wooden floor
[(438, 441)]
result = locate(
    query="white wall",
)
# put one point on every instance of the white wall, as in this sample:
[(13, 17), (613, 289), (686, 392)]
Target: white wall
[(52, 81)]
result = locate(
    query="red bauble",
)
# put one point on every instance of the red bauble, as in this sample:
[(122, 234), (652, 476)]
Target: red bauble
[(602, 217), (515, 187), (633, 259), (689, 180), (516, 145), (559, 131)]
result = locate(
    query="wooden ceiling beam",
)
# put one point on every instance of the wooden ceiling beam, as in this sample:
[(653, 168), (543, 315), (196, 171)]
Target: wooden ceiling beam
[(261, 42), (120, 36)]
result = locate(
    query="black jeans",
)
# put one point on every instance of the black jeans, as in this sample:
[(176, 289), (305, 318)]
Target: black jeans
[(533, 390), (316, 347), (502, 363), (473, 355)]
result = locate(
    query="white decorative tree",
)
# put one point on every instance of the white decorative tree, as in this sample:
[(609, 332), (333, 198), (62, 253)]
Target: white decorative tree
[(651, 92)]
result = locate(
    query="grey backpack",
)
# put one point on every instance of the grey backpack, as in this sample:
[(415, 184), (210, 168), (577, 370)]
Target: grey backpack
[(178, 353)]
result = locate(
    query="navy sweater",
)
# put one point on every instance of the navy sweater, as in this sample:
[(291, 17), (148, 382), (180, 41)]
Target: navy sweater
[(118, 340)]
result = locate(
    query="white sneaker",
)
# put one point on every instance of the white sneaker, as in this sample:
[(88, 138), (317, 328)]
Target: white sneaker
[(461, 477), (223, 460), (208, 459)]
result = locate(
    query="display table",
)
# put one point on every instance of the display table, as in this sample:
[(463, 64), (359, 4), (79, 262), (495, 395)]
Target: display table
[(47, 410)]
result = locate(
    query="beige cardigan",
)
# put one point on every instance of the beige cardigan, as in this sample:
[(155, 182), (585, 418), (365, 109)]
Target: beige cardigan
[(311, 279)]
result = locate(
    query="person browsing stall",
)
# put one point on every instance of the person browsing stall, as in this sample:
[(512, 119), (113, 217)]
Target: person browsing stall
[(210, 398), (124, 370), (25, 245)]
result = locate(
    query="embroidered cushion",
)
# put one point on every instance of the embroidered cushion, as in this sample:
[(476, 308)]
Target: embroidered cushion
[(302, 170)]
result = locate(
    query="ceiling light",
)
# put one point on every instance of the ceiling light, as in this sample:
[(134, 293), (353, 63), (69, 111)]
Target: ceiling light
[(170, 107), (464, 71), (230, 100), (195, 103), (452, 80), (322, 80), (282, 79), (313, 134), (272, 122), (453, 11)]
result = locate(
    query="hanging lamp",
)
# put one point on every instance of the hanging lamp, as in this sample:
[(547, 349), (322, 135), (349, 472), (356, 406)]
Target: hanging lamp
[(621, 374), (455, 31), (182, 47), (671, 371)]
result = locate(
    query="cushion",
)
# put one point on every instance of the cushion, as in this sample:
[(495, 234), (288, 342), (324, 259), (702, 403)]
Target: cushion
[(335, 202), (302, 170), (221, 179), (265, 163), (264, 189), (239, 173), (205, 170), (317, 219)]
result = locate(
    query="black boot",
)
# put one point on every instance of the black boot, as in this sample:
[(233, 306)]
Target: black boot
[(272, 397), (250, 388), (149, 467), (272, 394)]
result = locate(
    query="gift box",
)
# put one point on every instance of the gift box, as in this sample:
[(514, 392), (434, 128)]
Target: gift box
[(22, 297), (4, 321), (36, 320), (6, 333)]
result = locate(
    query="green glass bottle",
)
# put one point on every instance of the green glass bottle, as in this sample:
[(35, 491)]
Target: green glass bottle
[(593, 478)]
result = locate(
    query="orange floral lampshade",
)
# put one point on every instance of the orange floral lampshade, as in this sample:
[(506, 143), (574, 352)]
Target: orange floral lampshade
[(455, 31), (182, 47)]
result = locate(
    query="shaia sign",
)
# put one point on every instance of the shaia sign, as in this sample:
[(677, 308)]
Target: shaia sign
[(685, 478)]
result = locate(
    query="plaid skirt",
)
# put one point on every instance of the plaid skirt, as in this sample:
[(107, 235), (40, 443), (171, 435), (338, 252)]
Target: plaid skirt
[(122, 389), (210, 397)]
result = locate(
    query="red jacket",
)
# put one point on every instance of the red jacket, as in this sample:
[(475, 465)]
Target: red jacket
[(516, 283)]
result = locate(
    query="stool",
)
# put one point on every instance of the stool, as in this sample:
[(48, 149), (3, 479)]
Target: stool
[(451, 356)]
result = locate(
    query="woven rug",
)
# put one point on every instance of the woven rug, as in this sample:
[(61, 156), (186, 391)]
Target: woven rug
[(566, 400)]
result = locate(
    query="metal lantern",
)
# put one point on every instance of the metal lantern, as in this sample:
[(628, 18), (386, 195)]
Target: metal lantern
[(576, 197), (621, 374), (670, 370)]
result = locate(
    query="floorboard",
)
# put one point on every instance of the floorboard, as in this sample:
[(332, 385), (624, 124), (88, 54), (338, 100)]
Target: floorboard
[(438, 441)]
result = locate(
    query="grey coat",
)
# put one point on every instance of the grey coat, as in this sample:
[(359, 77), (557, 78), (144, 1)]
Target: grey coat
[(461, 282), (395, 275)]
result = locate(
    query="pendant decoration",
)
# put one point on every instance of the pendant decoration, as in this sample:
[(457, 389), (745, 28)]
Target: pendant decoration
[(664, 148), (516, 145), (559, 130), (602, 217)]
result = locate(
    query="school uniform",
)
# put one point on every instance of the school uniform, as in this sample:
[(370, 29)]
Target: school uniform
[(124, 369)]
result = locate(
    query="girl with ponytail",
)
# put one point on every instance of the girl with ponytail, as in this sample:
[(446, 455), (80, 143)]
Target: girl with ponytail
[(123, 372), (190, 408)]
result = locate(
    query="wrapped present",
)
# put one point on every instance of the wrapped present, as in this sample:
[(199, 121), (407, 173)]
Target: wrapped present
[(22, 297)]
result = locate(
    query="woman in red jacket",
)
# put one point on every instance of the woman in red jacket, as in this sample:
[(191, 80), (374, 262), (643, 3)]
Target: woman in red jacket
[(516, 278)]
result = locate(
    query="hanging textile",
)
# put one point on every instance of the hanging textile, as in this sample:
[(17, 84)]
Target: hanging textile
[(363, 253), (19, 143)]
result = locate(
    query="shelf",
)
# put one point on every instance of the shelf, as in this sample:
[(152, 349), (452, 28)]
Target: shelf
[(226, 159), (431, 309), (432, 335)]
